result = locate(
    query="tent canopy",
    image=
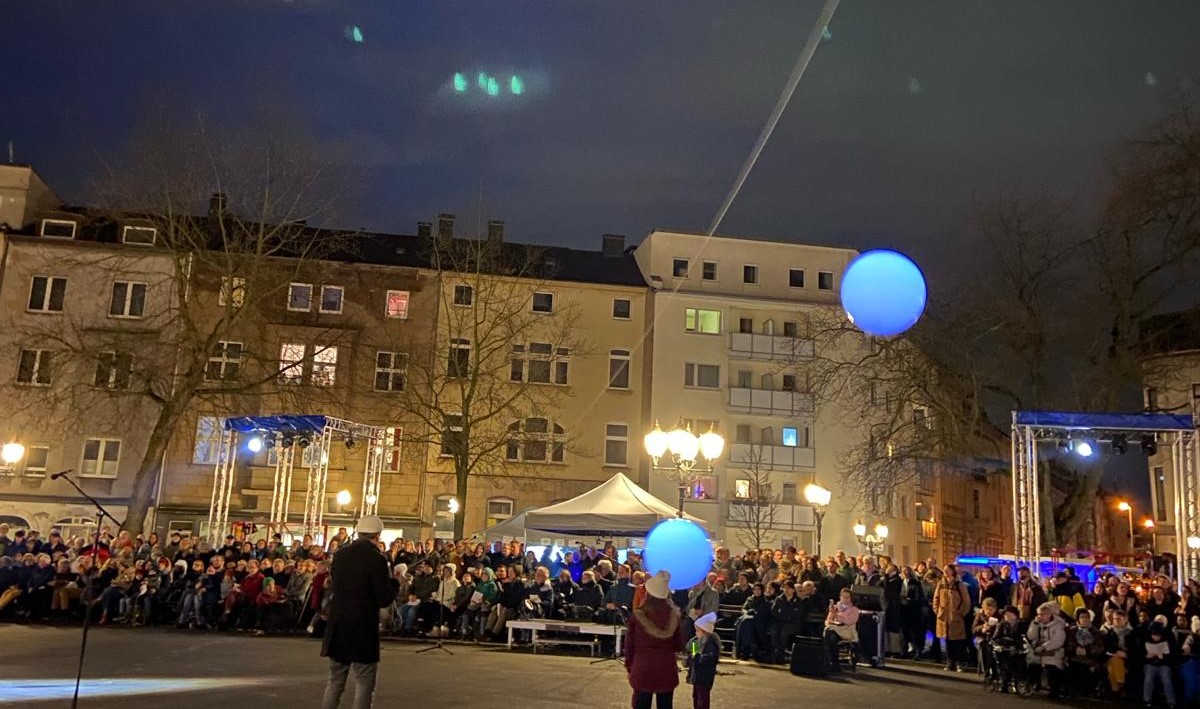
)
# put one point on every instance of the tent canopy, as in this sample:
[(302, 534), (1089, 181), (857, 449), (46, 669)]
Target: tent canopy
[(512, 528), (617, 508)]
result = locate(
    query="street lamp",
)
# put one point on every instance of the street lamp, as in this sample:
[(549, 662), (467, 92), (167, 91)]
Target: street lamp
[(11, 454), (1148, 524), (874, 539), (343, 498), (1127, 508), (683, 455), (818, 497)]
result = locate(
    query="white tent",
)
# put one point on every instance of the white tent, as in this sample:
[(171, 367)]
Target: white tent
[(617, 508), (513, 528)]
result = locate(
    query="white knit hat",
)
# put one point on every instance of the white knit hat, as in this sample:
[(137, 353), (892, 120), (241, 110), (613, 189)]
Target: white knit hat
[(659, 585), (707, 622)]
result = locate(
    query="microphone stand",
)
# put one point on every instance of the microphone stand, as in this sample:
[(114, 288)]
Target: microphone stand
[(437, 643), (101, 513), (616, 614)]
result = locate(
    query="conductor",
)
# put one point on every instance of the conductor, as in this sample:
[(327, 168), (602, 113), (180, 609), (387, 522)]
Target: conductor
[(360, 586)]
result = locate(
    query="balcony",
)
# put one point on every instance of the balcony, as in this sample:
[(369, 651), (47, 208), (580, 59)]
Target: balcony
[(766, 457), (745, 345), (768, 402), (740, 514)]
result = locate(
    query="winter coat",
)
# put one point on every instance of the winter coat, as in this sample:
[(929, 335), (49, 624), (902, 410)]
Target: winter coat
[(655, 635), (788, 611), (588, 594), (1090, 640), (1027, 596), (360, 586), (893, 594), (701, 660), (1047, 642), (949, 607)]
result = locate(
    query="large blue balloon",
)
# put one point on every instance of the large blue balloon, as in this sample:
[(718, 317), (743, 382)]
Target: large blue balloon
[(682, 548), (883, 292)]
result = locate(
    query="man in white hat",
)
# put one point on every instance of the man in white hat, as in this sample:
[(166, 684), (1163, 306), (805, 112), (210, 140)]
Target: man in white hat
[(703, 654), (360, 586), (655, 636)]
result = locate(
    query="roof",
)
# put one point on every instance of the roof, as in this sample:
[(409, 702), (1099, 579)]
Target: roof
[(617, 508), (1171, 332), (758, 238)]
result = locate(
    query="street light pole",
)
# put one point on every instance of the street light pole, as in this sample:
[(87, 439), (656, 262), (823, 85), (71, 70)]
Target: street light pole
[(683, 455), (818, 497), (1128, 510)]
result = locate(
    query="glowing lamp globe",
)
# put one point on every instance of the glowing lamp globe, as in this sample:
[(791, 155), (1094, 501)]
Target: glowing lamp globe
[(343, 498), (681, 547), (711, 445), (883, 292), (12, 453), (656, 442), (683, 443)]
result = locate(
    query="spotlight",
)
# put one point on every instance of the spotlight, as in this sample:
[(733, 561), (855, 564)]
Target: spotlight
[(1149, 444), (1120, 444), (255, 444), (304, 441), (287, 440), (350, 442), (1085, 447), (1064, 445)]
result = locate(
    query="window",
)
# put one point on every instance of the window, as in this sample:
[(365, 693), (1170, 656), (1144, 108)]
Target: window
[(391, 368), (58, 228), (796, 277), (791, 329), (36, 458), (705, 488), (324, 368), (621, 309), (300, 297), (498, 510), (458, 364), (233, 291), (139, 235), (750, 274), (540, 363), (225, 364), (703, 376), (709, 270), (746, 325), (616, 444), (921, 417), (679, 268), (741, 489), (789, 382), (391, 449), (464, 295), (825, 280), (1151, 394), (291, 363), (532, 440), (707, 322), (47, 293), (331, 299), (618, 369), (742, 433), (795, 437), (128, 300), (207, 447), (745, 378), (113, 370), (975, 504), (454, 440), (543, 302), (100, 457), (397, 304), (788, 496), (1160, 494), (35, 367)]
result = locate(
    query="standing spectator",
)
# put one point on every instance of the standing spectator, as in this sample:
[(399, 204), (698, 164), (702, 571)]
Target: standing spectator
[(360, 587), (1047, 636), (949, 608), (703, 654), (893, 602), (1159, 654), (913, 603), (655, 635), (1027, 595)]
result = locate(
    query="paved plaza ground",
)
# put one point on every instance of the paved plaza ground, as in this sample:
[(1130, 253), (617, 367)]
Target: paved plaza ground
[(151, 668)]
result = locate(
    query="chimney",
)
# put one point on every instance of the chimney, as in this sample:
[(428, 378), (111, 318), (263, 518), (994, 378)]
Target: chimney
[(445, 226), (217, 204), (614, 245), (424, 229), (495, 231)]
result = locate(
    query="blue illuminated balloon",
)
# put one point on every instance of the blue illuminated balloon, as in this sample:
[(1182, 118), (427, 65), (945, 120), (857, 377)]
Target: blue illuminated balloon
[(682, 548), (883, 292)]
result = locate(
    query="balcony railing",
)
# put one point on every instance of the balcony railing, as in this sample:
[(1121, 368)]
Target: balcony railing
[(771, 457), (751, 346), (774, 515), (769, 402)]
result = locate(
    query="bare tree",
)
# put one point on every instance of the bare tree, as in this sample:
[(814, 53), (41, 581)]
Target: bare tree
[(484, 400), (754, 514)]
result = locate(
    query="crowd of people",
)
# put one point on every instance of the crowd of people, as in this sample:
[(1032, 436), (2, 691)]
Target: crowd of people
[(1122, 637)]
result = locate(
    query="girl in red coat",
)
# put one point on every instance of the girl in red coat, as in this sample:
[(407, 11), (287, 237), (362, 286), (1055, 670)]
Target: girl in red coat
[(655, 636)]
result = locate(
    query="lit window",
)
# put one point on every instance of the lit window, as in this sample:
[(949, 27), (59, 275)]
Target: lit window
[(464, 295), (391, 369), (233, 291), (209, 436), (397, 304), (825, 280), (790, 437), (324, 371), (616, 444), (749, 274), (679, 268), (703, 376), (331, 299), (707, 322), (225, 364), (741, 489), (47, 294), (391, 449), (128, 300), (291, 363), (618, 369), (622, 309), (139, 235), (300, 297), (499, 509), (35, 367), (100, 458), (543, 302)]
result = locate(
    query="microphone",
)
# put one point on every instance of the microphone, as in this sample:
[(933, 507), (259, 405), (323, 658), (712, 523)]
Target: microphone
[(61, 473)]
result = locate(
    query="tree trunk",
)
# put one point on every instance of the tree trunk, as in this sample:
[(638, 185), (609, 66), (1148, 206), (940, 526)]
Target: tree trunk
[(462, 477), (142, 495)]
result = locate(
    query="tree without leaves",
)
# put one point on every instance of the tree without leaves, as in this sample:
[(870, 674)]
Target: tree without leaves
[(754, 516), (485, 397)]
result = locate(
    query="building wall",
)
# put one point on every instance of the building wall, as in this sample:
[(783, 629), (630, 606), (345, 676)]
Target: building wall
[(1172, 385)]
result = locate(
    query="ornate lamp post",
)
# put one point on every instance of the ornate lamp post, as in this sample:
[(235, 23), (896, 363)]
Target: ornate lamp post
[(818, 497), (682, 455), (873, 540)]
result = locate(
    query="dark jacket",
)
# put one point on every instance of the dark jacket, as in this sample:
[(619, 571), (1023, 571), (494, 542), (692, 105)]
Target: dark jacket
[(702, 658), (788, 612), (424, 586), (360, 586), (588, 594), (621, 594)]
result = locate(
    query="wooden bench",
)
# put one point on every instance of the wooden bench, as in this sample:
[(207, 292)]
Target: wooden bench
[(596, 630)]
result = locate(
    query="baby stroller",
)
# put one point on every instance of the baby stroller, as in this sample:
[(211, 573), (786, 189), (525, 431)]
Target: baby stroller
[(1004, 665)]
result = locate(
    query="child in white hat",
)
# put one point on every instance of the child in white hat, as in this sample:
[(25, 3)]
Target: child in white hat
[(703, 653)]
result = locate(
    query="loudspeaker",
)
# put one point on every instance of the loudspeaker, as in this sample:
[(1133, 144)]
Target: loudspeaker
[(810, 657), (867, 598)]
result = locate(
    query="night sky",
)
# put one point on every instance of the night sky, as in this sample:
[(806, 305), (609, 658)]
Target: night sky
[(635, 115)]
